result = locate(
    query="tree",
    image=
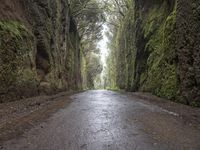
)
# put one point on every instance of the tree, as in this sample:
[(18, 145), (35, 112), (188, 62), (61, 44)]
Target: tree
[(90, 17), (116, 11), (94, 68)]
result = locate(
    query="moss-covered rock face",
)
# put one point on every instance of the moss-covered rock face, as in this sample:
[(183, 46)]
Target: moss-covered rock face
[(188, 49), (148, 58), (125, 52), (161, 71), (39, 49), (147, 44), (157, 58), (16, 72)]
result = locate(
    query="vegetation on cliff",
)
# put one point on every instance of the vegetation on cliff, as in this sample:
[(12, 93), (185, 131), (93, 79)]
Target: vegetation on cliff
[(51, 46), (89, 16), (15, 76), (143, 50), (43, 47)]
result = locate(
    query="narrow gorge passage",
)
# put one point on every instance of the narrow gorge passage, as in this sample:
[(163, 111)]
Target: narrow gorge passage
[(99, 74), (105, 120)]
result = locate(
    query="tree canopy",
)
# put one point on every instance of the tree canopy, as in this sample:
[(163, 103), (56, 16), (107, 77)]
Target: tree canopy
[(90, 17)]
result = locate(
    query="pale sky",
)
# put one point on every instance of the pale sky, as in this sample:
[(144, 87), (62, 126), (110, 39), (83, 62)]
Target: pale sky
[(103, 46)]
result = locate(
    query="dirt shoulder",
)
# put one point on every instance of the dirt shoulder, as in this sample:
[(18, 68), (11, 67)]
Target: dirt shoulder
[(189, 115), (18, 116)]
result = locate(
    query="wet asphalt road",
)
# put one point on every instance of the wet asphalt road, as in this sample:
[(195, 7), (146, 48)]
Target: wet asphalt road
[(105, 120)]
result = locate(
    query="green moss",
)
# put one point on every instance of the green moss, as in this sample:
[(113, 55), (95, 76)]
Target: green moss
[(169, 88), (154, 18), (125, 51), (169, 37), (14, 28), (162, 78), (113, 89), (15, 46)]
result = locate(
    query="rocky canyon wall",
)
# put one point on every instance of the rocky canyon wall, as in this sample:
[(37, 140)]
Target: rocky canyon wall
[(39, 49), (188, 49), (158, 49)]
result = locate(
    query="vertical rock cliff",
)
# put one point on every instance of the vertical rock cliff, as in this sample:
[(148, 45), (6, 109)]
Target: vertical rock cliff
[(188, 49), (39, 48), (156, 57), (158, 49)]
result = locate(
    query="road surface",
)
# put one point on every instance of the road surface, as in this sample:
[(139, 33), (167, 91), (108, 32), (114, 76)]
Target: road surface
[(106, 120)]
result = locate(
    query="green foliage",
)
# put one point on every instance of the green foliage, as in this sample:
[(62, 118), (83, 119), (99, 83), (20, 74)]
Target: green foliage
[(93, 69), (123, 51), (15, 29), (113, 89), (13, 53), (110, 74), (84, 72), (89, 17), (162, 78), (154, 19), (157, 68)]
